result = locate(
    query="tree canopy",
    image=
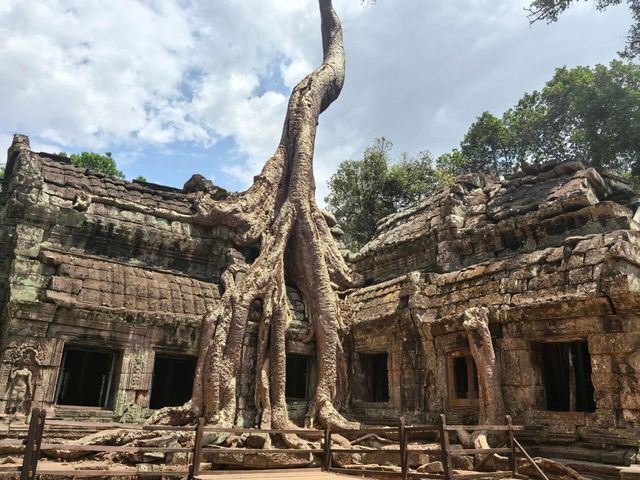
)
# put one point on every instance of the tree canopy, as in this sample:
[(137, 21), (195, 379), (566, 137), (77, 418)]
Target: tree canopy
[(98, 163), (549, 11), (363, 191), (582, 113)]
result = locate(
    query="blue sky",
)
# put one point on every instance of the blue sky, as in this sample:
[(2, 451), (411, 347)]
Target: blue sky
[(177, 87)]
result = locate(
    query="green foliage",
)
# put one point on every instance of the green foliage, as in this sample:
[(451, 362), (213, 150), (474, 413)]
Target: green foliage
[(141, 178), (1, 173), (96, 162), (486, 146), (450, 166), (550, 10), (364, 191), (586, 114)]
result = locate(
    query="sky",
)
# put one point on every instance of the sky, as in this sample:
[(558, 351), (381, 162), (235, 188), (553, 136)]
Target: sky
[(177, 87)]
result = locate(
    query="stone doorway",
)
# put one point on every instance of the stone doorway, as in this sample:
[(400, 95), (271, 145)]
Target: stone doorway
[(86, 377), (566, 371), (299, 380), (172, 383), (372, 377)]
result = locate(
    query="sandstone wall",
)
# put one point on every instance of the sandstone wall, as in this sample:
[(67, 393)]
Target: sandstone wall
[(86, 262), (554, 254)]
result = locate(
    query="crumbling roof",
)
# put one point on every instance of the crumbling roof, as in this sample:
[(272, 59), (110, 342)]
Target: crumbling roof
[(560, 243), (64, 181), (479, 217)]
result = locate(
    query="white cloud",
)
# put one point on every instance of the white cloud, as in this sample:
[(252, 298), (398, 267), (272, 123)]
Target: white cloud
[(77, 73)]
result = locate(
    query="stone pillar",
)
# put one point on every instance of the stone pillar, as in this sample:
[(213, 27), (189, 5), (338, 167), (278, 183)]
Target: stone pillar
[(134, 385)]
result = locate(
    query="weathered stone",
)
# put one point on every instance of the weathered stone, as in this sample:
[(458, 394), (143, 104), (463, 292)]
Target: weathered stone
[(552, 253), (432, 467)]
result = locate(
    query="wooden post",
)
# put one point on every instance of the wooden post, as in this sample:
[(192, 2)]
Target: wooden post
[(402, 438), (514, 458), (25, 473), (444, 446), (326, 461), (197, 450), (35, 458)]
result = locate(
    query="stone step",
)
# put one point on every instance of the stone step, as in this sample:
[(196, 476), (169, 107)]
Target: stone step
[(630, 473), (619, 457), (595, 470)]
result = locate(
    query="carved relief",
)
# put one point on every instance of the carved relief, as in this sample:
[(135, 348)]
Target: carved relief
[(136, 371), (21, 385), (40, 350)]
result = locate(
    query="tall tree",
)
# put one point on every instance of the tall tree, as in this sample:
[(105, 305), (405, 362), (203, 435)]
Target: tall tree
[(362, 192), (279, 216), (588, 114), (549, 11)]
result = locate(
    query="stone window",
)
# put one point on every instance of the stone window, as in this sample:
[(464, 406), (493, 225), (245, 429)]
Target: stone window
[(172, 383), (299, 379), (372, 375), (87, 377), (462, 379), (566, 374)]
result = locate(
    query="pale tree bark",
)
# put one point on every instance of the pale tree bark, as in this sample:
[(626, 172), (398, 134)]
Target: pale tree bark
[(491, 408), (279, 213)]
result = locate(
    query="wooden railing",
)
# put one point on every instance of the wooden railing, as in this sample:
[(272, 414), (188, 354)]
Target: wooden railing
[(34, 447), (444, 453)]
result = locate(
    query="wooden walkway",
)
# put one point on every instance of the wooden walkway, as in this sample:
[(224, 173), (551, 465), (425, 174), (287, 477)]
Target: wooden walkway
[(283, 474)]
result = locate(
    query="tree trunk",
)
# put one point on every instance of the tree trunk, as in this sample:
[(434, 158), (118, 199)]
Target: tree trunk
[(492, 409), (279, 213)]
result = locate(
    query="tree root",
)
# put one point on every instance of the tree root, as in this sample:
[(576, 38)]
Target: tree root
[(552, 469), (492, 409), (278, 214)]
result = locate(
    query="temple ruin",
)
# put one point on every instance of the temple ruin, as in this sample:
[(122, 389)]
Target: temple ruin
[(102, 298)]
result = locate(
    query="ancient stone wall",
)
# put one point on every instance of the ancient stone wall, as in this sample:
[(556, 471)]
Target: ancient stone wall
[(554, 254), (86, 264), (96, 264)]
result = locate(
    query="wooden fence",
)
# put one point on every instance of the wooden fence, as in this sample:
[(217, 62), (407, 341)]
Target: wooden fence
[(512, 448)]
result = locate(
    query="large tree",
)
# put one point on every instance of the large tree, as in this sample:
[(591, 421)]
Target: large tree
[(550, 10), (278, 214), (486, 146)]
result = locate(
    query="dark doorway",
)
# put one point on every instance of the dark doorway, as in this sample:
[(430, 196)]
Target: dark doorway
[(566, 371), (86, 378), (462, 379), (373, 381), (299, 377), (172, 383)]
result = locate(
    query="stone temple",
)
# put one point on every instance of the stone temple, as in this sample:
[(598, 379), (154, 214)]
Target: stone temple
[(102, 299)]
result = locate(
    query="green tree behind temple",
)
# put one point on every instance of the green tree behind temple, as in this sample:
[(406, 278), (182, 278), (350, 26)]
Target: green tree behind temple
[(364, 191), (582, 113), (98, 163), (487, 146), (1, 173)]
